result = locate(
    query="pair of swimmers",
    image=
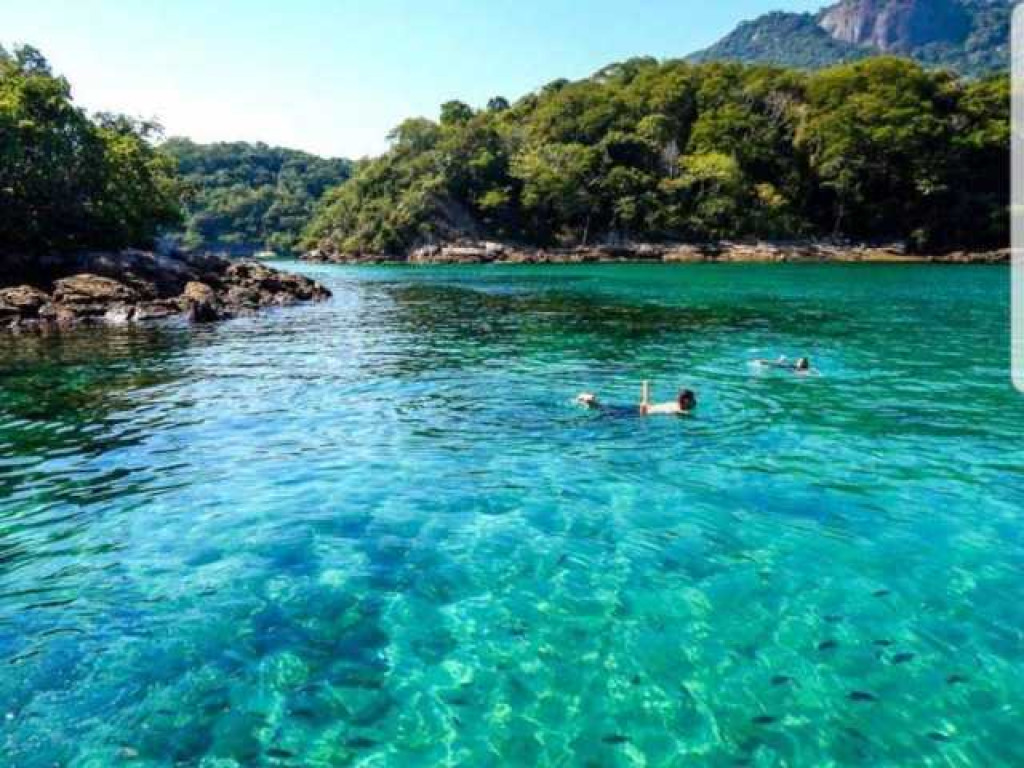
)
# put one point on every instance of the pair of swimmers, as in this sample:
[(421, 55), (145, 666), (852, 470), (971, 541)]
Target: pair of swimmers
[(685, 402)]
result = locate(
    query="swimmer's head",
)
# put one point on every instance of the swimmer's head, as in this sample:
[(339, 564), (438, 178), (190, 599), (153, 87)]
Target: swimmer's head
[(803, 364), (587, 399), (687, 400)]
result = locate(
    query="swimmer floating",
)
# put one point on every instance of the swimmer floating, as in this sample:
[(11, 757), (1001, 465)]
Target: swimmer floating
[(685, 402)]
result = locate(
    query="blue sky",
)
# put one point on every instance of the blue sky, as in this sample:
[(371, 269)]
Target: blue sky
[(334, 76)]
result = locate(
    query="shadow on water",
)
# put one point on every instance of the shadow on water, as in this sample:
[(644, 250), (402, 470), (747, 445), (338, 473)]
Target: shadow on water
[(79, 394), (423, 306), (455, 326), (71, 372)]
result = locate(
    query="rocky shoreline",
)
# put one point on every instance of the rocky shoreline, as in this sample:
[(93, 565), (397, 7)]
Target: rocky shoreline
[(472, 252), (135, 286)]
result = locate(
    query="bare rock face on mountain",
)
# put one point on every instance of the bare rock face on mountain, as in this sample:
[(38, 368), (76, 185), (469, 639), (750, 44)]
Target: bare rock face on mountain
[(897, 25)]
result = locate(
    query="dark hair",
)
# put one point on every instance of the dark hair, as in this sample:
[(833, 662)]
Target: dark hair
[(803, 364), (687, 399)]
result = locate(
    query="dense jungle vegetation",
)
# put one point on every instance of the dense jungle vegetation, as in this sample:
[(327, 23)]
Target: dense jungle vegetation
[(877, 149), (250, 197), (648, 150)]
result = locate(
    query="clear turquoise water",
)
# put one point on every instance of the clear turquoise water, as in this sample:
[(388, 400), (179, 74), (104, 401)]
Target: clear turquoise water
[(377, 532)]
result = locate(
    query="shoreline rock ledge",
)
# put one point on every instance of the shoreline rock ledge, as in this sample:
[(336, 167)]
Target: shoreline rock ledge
[(135, 286), (736, 252)]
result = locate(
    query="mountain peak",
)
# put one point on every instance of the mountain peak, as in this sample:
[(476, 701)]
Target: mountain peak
[(970, 37)]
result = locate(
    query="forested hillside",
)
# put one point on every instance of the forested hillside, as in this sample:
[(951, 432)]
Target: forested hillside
[(73, 181), (647, 150), (250, 197), (69, 181), (643, 150)]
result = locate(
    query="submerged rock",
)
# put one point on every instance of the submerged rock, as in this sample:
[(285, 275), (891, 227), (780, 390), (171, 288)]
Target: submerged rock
[(862, 697), (134, 286), (615, 739)]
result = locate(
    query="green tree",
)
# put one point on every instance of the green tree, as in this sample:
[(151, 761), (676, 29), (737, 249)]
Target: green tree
[(877, 134), (498, 104), (455, 113), (71, 182), (559, 188)]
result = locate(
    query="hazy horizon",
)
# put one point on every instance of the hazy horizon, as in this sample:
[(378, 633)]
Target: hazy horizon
[(333, 78)]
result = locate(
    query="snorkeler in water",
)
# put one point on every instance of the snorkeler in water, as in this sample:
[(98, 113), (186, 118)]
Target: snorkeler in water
[(685, 402), (802, 365)]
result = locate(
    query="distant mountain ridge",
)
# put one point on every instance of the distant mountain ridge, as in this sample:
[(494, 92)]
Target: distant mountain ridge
[(971, 37)]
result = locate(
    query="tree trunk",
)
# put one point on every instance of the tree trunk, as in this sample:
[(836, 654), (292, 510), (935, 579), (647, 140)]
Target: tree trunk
[(840, 215)]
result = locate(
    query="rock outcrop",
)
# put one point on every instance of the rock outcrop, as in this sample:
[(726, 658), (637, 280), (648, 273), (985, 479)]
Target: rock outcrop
[(21, 301), (133, 286), (200, 303), (673, 253), (896, 26), (90, 295)]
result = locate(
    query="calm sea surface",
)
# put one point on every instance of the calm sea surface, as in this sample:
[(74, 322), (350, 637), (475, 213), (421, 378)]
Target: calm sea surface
[(378, 532)]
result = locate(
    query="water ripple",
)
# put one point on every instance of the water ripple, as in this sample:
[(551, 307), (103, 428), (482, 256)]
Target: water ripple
[(379, 531)]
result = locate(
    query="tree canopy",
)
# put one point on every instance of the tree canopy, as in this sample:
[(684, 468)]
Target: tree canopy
[(250, 197), (876, 149), (70, 181)]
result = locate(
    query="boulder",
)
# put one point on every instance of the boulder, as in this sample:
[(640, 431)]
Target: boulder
[(61, 316), (199, 302), (301, 288), (242, 297), (87, 290), (464, 254), (157, 310), (120, 314), (22, 301), (252, 285), (426, 254), (150, 275), (520, 256), (685, 254), (249, 272)]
